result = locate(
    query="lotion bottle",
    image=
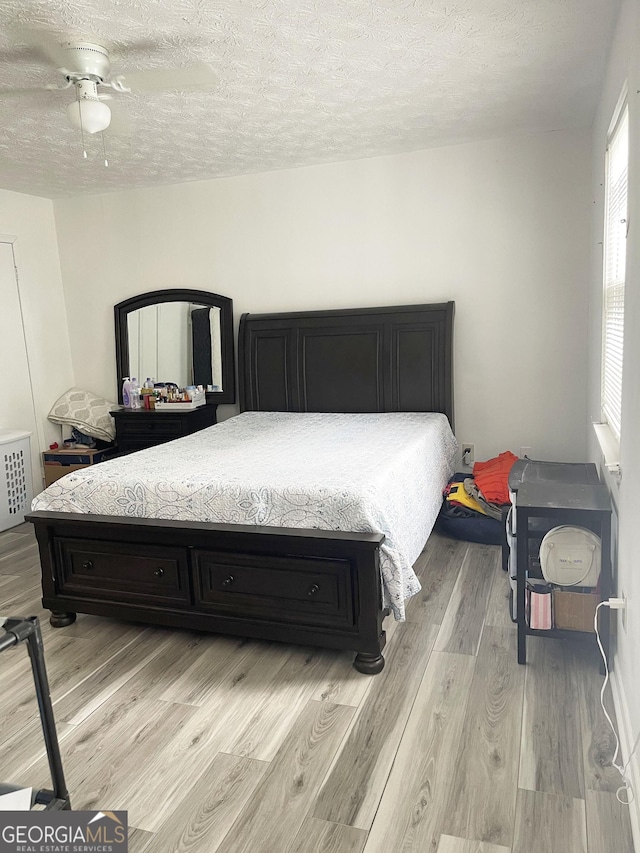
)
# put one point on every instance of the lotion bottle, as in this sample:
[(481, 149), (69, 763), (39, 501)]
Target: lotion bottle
[(126, 393)]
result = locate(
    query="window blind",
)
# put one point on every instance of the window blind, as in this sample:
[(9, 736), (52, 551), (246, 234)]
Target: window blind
[(615, 256)]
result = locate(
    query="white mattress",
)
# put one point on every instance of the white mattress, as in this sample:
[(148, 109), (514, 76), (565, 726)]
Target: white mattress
[(381, 473)]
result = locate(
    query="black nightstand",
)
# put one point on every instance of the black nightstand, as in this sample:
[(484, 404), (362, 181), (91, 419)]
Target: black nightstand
[(140, 428), (582, 504)]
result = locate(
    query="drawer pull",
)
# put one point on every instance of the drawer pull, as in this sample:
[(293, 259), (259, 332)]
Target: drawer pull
[(159, 573), (88, 565), (228, 581), (313, 589)]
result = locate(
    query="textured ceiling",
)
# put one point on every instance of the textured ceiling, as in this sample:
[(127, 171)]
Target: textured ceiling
[(300, 82)]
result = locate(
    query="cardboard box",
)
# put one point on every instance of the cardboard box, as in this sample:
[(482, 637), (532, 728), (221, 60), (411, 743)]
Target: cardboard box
[(574, 611), (63, 461), (54, 470)]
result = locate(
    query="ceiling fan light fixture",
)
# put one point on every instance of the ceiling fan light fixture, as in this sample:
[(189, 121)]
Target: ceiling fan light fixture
[(88, 113), (90, 116)]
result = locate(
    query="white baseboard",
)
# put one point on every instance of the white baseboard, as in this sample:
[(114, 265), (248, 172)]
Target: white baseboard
[(627, 738)]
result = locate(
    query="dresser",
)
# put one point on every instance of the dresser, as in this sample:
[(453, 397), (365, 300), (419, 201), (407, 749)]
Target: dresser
[(140, 428)]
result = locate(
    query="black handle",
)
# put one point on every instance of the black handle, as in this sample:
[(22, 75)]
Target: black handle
[(312, 590), (159, 572), (228, 581), (88, 564)]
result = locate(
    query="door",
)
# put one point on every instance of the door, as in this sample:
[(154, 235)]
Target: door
[(16, 399)]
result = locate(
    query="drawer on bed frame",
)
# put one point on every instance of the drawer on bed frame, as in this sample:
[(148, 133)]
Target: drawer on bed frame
[(123, 572), (296, 589)]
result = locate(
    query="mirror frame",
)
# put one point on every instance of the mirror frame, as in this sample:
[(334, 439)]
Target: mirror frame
[(176, 294)]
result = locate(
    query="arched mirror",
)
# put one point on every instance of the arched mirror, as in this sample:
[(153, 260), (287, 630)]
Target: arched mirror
[(178, 335)]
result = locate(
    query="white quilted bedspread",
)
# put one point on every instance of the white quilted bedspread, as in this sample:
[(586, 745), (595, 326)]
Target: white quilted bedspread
[(381, 473)]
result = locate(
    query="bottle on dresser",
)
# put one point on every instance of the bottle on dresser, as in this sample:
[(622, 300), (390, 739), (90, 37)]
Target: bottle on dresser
[(126, 393), (135, 394)]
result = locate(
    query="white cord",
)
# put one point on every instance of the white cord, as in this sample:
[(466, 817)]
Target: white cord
[(622, 769)]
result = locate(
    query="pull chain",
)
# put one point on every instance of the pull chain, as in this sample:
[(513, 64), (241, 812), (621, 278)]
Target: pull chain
[(84, 147), (104, 151)]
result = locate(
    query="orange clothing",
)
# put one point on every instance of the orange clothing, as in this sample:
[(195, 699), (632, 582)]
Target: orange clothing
[(492, 477)]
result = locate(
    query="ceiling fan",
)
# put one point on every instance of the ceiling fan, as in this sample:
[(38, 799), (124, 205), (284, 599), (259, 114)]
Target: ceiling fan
[(85, 64)]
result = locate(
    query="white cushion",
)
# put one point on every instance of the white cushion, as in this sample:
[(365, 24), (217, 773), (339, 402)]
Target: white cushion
[(85, 411)]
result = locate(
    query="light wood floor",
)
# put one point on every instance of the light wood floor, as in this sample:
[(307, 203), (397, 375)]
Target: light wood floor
[(218, 744)]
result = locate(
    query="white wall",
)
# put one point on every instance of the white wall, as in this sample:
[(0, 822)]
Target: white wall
[(624, 65), (501, 226), (31, 221)]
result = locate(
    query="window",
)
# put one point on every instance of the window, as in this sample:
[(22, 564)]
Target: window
[(615, 252)]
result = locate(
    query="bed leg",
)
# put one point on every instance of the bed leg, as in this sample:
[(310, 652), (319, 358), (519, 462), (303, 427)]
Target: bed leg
[(61, 620), (369, 664)]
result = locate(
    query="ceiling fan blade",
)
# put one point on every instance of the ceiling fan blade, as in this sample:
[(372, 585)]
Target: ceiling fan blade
[(122, 49), (19, 93), (22, 53), (194, 78), (46, 43), (160, 46), (120, 124)]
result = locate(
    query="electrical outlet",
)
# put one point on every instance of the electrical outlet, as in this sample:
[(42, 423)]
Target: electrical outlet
[(468, 453), (623, 613), (526, 451)]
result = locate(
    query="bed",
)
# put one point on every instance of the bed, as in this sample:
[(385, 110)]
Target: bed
[(314, 558)]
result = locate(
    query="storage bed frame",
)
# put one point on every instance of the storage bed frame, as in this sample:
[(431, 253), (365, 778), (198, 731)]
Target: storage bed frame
[(313, 587)]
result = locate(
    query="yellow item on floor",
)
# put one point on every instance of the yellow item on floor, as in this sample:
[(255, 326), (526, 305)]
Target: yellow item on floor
[(459, 495)]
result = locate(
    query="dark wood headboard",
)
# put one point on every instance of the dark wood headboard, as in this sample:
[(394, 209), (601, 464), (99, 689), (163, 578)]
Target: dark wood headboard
[(354, 360)]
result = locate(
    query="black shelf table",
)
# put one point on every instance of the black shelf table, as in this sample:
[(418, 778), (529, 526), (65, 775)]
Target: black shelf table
[(582, 504), (27, 631)]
